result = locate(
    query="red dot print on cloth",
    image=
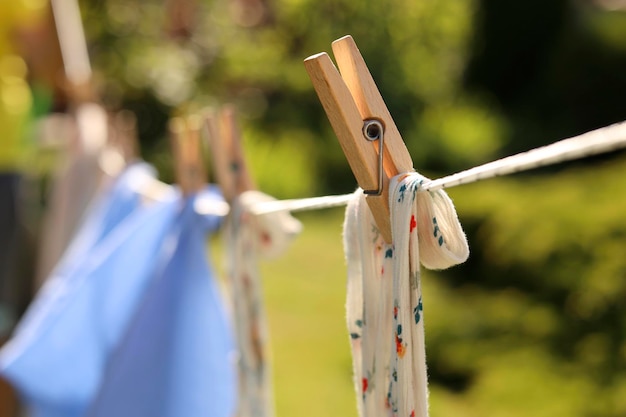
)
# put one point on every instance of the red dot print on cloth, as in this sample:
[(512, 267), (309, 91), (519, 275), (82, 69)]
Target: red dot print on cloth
[(266, 238), (413, 224), (400, 348)]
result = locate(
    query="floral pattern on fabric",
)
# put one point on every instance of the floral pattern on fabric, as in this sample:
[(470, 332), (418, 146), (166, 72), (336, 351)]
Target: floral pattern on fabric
[(384, 303), (248, 238)]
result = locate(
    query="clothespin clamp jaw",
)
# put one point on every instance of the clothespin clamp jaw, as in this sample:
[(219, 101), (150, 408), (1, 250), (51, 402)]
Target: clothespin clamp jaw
[(188, 163), (227, 156), (365, 129)]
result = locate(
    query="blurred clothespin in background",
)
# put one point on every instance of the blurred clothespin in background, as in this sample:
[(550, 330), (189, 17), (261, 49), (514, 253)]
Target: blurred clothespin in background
[(73, 44), (91, 118), (123, 135), (122, 146), (365, 129), (227, 157), (181, 18), (188, 162)]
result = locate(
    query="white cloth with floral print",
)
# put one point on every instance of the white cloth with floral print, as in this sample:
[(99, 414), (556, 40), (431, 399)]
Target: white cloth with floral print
[(384, 305), (250, 237)]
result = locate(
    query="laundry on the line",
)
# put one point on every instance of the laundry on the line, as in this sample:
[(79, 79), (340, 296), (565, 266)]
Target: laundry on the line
[(385, 310), (131, 319)]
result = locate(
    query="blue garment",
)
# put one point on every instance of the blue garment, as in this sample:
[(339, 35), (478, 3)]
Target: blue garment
[(57, 356), (107, 211), (177, 358)]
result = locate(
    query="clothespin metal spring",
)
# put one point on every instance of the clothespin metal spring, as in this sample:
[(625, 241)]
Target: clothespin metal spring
[(356, 109), (373, 130)]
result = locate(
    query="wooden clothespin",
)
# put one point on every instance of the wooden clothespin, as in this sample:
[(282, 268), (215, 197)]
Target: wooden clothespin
[(227, 157), (367, 133), (123, 136), (73, 46), (188, 162), (181, 18)]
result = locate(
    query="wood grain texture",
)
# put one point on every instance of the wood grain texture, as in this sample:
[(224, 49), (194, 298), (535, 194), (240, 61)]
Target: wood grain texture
[(349, 99), (188, 163), (227, 157)]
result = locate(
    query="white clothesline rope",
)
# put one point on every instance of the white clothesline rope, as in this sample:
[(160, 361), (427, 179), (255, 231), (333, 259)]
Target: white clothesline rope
[(598, 141), (300, 204)]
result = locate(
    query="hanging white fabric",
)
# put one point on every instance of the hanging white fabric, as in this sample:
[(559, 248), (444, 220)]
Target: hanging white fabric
[(250, 237), (384, 304)]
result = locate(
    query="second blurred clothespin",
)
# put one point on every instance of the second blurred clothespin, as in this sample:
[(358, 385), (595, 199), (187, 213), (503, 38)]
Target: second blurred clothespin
[(188, 162), (227, 157), (367, 133), (123, 135)]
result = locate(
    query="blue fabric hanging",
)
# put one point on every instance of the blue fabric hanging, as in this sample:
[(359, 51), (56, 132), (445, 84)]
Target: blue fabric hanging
[(107, 211), (177, 358), (57, 355)]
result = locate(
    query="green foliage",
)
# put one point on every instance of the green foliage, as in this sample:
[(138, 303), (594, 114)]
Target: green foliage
[(290, 156), (538, 320), (533, 324), (415, 50)]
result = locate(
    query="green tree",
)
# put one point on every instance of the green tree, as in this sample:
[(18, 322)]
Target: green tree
[(533, 324)]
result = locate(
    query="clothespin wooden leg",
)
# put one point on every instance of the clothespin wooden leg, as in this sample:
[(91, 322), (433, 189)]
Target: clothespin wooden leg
[(227, 155), (189, 166), (238, 165), (352, 103)]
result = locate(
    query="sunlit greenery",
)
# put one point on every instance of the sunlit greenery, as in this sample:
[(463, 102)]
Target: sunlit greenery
[(534, 324)]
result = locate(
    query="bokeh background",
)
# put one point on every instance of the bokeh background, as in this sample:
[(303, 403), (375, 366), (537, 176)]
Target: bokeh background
[(534, 324)]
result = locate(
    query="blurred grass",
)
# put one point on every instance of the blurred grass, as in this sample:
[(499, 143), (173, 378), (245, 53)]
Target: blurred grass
[(502, 338), (305, 291)]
